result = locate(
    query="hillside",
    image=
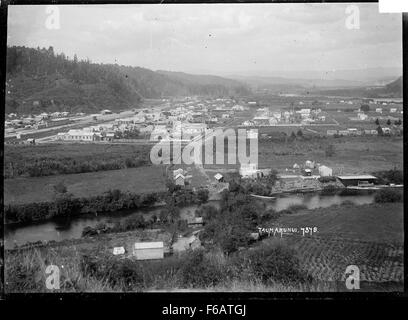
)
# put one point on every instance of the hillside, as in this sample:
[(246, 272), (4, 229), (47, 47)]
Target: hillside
[(39, 80), (391, 90)]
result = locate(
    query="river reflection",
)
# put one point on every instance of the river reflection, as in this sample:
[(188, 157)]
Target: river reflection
[(59, 229)]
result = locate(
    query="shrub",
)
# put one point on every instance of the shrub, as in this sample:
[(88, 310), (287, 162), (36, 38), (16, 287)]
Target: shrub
[(387, 195), (272, 262), (208, 212), (297, 207), (124, 273), (349, 192), (202, 195), (327, 179), (328, 190), (60, 187), (199, 271), (270, 215)]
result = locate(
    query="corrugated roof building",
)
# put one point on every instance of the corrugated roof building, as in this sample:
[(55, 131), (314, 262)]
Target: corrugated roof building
[(148, 250)]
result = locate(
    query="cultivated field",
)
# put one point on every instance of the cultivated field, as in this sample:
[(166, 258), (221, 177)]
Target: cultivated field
[(378, 222), (369, 236)]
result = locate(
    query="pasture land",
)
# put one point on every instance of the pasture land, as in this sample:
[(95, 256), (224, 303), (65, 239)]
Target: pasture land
[(353, 155), (39, 189)]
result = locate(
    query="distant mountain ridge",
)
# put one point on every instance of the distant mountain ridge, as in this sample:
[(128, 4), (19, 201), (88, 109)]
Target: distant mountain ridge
[(39, 80), (391, 90)]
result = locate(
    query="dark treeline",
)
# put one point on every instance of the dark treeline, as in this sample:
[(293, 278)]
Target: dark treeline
[(65, 205), (46, 160), (42, 80), (48, 167)]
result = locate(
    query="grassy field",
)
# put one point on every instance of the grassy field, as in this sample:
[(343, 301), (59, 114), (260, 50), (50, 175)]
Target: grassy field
[(137, 180), (353, 155)]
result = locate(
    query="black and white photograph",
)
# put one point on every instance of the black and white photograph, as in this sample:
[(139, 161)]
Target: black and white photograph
[(203, 147)]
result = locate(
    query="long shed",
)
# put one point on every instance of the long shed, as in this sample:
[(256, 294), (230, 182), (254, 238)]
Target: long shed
[(148, 250)]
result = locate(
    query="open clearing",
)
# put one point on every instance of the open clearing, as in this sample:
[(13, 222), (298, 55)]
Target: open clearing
[(136, 180), (353, 155)]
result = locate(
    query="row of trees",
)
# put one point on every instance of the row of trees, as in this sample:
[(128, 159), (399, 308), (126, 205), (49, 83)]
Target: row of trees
[(65, 204), (48, 167), (396, 122)]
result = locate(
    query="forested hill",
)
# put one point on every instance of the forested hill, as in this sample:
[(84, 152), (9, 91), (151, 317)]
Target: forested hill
[(40, 80)]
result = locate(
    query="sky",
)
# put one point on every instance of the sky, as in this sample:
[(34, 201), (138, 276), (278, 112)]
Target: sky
[(222, 39)]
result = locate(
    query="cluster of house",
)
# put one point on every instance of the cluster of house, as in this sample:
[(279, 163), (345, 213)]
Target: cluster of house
[(359, 132), (309, 167), (43, 120), (266, 117)]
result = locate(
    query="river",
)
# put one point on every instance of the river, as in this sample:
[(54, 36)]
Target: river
[(59, 229)]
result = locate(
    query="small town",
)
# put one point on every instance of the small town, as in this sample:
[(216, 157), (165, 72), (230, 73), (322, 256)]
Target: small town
[(129, 177)]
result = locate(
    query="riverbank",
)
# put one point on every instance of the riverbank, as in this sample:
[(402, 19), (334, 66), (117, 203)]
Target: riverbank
[(368, 236)]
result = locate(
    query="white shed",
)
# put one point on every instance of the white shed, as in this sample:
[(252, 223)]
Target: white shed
[(149, 250), (219, 177), (325, 171), (179, 180)]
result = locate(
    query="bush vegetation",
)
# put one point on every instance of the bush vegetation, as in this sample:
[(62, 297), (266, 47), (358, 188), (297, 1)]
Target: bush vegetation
[(388, 195), (113, 200), (45, 160)]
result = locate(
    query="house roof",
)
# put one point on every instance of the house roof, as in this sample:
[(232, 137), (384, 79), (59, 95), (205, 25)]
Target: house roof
[(364, 176), (149, 245), (218, 176), (179, 176)]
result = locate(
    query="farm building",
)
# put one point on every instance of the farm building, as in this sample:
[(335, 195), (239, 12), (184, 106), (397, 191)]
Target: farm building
[(219, 177), (309, 164), (307, 172), (248, 170), (344, 133), (106, 111), (148, 250), (325, 171), (357, 180), (386, 130), (78, 135), (196, 221), (331, 132), (362, 116), (393, 110), (370, 132), (378, 110), (179, 180)]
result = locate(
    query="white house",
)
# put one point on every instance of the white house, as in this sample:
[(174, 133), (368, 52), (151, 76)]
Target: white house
[(378, 110), (148, 250), (248, 170), (179, 180), (325, 171), (309, 164), (362, 116), (78, 135), (331, 132), (219, 177)]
